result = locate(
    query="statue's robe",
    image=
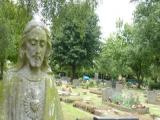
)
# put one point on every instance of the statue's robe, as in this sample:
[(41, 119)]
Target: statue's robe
[(31, 100)]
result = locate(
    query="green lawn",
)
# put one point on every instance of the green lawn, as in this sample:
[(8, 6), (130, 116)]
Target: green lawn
[(93, 97), (71, 113)]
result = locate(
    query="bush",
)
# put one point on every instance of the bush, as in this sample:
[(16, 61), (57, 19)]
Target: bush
[(154, 85)]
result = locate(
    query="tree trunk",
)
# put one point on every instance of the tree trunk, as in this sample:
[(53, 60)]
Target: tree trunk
[(73, 73), (1, 74), (140, 81), (155, 79)]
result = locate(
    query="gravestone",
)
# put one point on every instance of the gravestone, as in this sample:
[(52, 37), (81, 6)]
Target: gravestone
[(65, 80), (30, 88), (108, 83), (76, 82), (109, 93), (119, 87), (96, 76), (153, 97)]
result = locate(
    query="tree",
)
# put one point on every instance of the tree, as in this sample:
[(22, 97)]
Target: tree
[(75, 36), (147, 23), (4, 45), (123, 54), (12, 20), (138, 59), (113, 58), (51, 8)]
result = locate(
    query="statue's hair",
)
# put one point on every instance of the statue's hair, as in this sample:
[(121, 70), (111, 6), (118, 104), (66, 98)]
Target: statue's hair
[(22, 53)]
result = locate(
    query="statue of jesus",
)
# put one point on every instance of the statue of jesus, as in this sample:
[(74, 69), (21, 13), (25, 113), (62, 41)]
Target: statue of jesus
[(30, 88)]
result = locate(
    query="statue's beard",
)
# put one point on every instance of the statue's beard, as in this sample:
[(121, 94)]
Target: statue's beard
[(35, 61)]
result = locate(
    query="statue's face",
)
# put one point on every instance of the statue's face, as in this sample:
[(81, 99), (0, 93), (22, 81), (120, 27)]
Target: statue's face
[(36, 46)]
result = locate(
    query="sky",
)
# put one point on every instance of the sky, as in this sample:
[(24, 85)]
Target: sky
[(109, 11)]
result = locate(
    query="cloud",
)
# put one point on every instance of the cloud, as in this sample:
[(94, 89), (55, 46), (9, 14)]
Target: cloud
[(110, 10)]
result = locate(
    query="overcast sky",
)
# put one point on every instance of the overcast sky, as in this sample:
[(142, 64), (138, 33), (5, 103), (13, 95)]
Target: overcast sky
[(110, 10)]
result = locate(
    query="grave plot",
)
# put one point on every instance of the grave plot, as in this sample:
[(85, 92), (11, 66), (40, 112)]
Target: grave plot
[(92, 103), (123, 101)]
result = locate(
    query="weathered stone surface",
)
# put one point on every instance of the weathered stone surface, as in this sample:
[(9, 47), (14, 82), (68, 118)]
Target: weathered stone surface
[(109, 93), (30, 90), (106, 118), (153, 97)]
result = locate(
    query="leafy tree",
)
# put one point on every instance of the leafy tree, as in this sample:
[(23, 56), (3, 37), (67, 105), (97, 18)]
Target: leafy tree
[(4, 44), (113, 58), (123, 54), (12, 20), (51, 8), (138, 59), (75, 36), (147, 23)]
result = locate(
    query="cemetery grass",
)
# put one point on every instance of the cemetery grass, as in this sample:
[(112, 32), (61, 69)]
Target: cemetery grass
[(72, 113), (97, 101)]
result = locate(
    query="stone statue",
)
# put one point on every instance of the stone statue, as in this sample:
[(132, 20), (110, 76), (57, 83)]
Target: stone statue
[(30, 88)]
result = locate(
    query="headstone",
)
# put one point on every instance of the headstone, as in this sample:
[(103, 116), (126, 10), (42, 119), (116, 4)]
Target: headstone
[(119, 87), (153, 97), (30, 89), (76, 82), (108, 83), (65, 80), (113, 83), (96, 76), (109, 93)]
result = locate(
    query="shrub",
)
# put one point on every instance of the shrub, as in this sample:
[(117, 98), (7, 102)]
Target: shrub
[(154, 85)]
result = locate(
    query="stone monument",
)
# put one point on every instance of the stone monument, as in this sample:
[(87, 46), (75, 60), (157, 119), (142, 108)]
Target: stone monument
[(30, 88)]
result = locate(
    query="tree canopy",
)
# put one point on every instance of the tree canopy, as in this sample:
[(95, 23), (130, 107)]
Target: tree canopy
[(12, 20), (75, 36)]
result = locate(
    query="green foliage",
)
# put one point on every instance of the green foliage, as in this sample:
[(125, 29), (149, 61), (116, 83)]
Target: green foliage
[(50, 9), (75, 36), (113, 58), (4, 41), (148, 31), (135, 48), (15, 17), (12, 20), (31, 6), (154, 85)]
